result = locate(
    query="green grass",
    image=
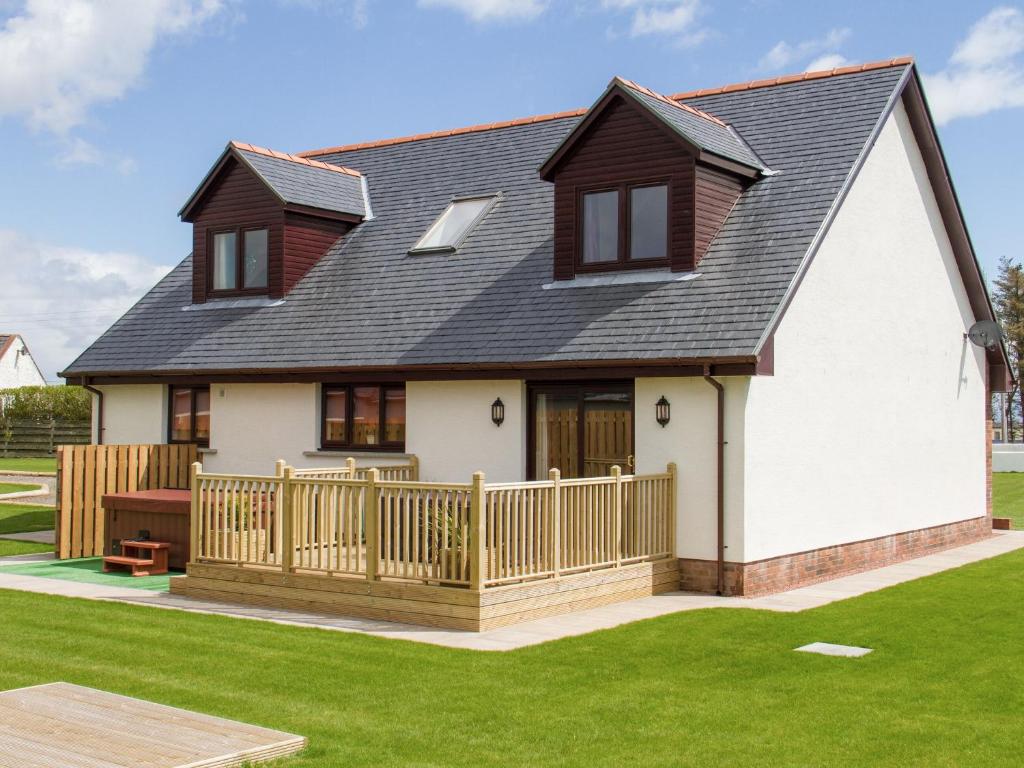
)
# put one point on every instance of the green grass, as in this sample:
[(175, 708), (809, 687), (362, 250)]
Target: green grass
[(17, 487), (712, 687), (8, 548), (29, 465), (17, 518), (88, 570), (1008, 496)]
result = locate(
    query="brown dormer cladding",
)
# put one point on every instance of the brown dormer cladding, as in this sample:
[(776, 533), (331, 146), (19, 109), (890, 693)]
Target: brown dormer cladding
[(235, 197), (624, 145)]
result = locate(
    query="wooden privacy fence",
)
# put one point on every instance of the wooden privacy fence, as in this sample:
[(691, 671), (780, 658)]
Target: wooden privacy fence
[(41, 438), (86, 472), (475, 535)]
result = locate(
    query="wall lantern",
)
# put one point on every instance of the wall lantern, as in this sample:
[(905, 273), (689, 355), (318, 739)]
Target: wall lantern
[(497, 412), (662, 411)]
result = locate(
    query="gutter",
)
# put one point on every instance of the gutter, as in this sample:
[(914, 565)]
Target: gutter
[(99, 411), (720, 487)]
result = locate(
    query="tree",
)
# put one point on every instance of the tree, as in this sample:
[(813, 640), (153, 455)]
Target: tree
[(1009, 303)]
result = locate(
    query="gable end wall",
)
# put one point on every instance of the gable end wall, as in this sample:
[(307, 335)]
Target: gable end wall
[(874, 422)]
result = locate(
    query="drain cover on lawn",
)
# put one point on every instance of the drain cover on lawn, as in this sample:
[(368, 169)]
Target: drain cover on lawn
[(830, 649)]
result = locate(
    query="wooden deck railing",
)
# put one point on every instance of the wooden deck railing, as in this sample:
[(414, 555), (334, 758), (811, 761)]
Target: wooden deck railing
[(473, 534), (408, 472)]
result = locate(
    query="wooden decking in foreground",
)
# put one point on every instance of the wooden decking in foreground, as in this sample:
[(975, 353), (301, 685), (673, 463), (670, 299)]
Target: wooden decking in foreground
[(472, 556), (60, 725)]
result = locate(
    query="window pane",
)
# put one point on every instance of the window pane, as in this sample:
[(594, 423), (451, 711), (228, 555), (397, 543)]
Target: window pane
[(600, 227), (648, 222), (335, 414), (181, 414), (202, 414), (366, 416), (224, 277), (394, 416), (453, 223), (256, 258)]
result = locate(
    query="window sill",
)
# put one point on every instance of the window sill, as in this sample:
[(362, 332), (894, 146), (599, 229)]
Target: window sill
[(360, 454), (206, 451)]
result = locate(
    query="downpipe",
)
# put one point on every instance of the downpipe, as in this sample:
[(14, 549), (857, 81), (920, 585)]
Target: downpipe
[(99, 411), (720, 471)]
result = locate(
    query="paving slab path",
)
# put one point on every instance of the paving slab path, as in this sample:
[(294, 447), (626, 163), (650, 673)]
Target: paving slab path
[(554, 627)]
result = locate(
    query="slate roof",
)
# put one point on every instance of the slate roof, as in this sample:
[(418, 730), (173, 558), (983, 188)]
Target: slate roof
[(298, 180), (701, 128), (368, 303)]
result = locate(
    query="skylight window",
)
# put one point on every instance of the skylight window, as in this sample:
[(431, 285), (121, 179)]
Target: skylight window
[(454, 224)]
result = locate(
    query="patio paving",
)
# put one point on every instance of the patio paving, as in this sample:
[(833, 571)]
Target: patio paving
[(37, 537), (555, 627)]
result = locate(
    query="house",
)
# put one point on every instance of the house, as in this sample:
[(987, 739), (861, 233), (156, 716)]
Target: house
[(754, 283), (17, 368)]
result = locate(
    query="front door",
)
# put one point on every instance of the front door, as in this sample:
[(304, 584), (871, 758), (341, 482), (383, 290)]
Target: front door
[(581, 429)]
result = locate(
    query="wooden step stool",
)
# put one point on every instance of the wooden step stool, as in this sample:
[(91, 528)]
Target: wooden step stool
[(144, 558)]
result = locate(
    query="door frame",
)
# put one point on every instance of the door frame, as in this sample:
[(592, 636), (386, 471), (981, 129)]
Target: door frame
[(533, 388)]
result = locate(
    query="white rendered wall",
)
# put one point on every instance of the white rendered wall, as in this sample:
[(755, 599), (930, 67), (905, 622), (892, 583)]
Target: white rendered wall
[(17, 369), (690, 440), (133, 413), (449, 427), (873, 423), (1008, 457)]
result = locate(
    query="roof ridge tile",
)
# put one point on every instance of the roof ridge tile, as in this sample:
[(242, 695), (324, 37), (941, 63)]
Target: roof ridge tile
[(674, 98), (293, 158)]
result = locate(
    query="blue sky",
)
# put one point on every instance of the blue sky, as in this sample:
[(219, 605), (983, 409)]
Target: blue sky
[(111, 111)]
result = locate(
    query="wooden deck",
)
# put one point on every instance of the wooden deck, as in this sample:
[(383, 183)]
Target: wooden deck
[(60, 725)]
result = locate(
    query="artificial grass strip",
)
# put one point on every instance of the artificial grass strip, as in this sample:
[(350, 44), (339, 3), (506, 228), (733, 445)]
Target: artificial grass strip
[(88, 570), (701, 688), (20, 518)]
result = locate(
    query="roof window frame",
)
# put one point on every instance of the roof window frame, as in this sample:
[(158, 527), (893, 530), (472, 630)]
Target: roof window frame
[(492, 199)]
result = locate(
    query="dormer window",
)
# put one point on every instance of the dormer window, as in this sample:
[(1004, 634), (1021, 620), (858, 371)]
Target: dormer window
[(624, 227), (239, 263), (454, 224)]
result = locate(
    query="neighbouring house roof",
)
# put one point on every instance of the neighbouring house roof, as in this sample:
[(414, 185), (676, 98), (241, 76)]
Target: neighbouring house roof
[(293, 179), (370, 304)]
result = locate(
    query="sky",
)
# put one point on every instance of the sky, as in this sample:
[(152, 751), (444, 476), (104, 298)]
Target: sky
[(112, 111)]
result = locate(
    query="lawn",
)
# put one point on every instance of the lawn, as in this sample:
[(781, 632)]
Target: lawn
[(713, 687), (15, 518), (1008, 496), (17, 487), (8, 548), (29, 465)]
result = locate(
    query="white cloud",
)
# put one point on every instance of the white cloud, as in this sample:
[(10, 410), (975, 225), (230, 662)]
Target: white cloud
[(985, 72), (61, 298), (491, 10), (818, 50), (76, 151), (358, 11), (59, 58), (676, 18), (828, 61)]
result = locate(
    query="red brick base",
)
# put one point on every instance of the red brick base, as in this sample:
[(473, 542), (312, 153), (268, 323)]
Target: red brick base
[(802, 568)]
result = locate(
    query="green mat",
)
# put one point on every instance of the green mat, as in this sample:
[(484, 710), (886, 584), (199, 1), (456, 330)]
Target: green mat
[(88, 570)]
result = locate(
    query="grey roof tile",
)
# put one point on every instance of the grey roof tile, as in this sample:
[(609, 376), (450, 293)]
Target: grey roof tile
[(369, 303)]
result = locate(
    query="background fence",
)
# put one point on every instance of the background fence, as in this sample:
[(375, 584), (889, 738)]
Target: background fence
[(86, 472), (41, 438)]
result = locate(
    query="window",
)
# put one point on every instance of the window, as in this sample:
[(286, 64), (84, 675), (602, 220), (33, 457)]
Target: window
[(454, 224), (640, 211), (239, 263), (363, 416), (189, 415)]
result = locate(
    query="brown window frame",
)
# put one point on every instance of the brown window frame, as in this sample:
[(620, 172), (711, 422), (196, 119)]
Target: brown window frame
[(348, 444), (623, 261), (200, 441), (239, 233)]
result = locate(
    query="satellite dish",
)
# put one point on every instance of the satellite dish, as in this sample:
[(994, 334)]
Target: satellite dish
[(985, 333)]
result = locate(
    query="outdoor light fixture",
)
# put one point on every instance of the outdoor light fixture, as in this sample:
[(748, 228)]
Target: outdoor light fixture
[(497, 412), (662, 411)]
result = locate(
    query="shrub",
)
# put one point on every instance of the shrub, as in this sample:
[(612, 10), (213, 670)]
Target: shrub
[(63, 403)]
